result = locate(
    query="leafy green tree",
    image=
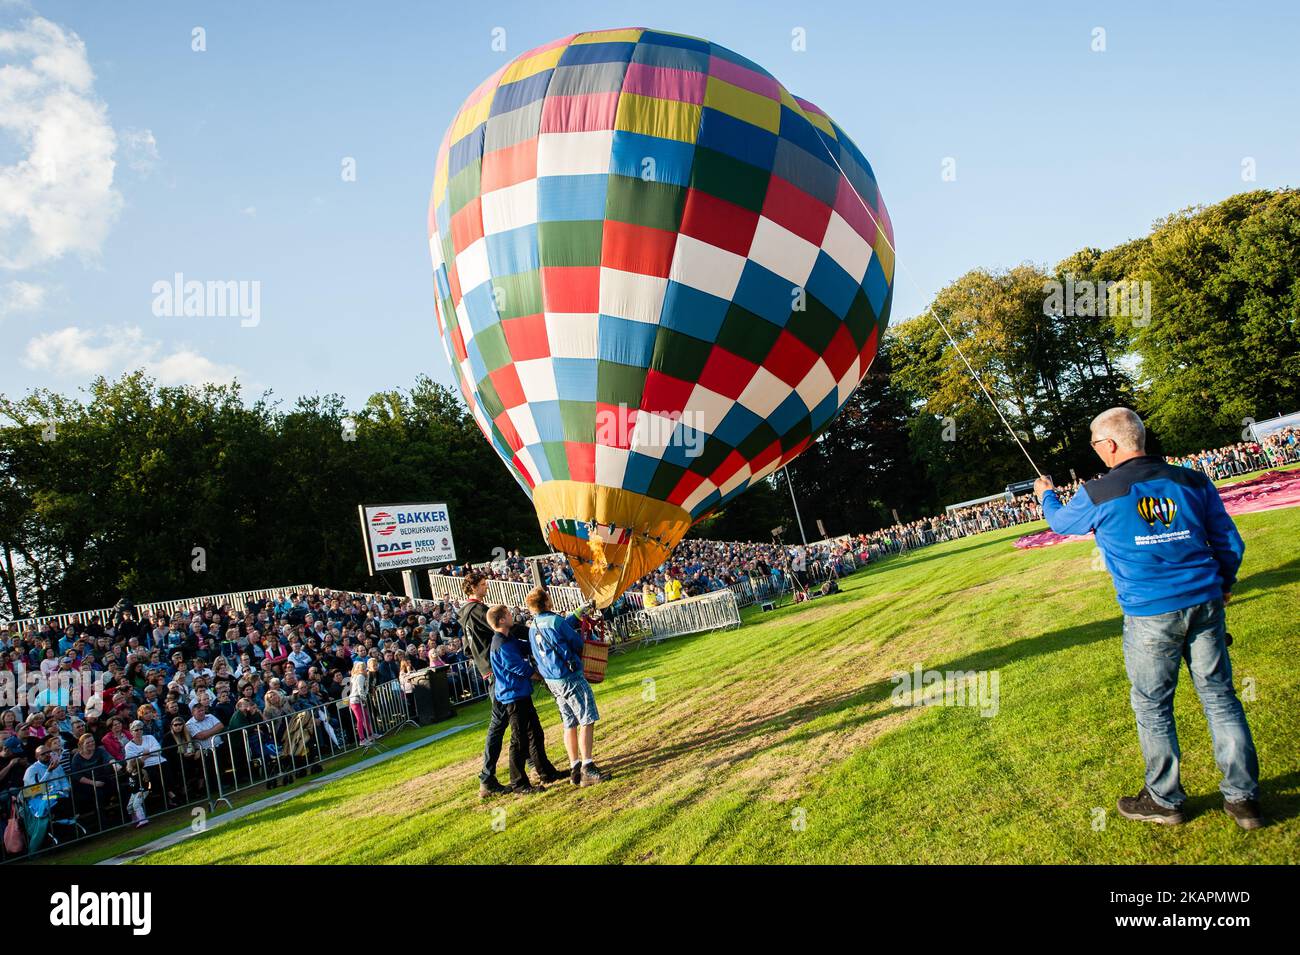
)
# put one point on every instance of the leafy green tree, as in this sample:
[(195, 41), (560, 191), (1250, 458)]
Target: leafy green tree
[(1013, 351), (169, 491), (1223, 344), (1048, 361)]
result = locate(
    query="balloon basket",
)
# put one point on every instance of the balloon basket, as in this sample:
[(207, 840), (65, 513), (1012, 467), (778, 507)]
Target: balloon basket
[(595, 657)]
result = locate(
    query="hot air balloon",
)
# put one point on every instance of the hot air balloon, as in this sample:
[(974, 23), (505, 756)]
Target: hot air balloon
[(658, 277)]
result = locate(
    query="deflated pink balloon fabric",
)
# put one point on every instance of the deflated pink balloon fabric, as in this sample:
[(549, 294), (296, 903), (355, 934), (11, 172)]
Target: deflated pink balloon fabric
[(1264, 493)]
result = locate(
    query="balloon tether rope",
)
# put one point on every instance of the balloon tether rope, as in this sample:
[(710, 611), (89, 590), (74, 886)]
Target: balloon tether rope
[(917, 287)]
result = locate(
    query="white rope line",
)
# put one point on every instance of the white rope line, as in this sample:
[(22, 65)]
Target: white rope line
[(880, 231)]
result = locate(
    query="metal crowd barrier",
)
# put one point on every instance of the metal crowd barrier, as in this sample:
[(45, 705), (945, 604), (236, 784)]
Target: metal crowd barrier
[(627, 628), (237, 599), (712, 611), (716, 610), (508, 592), (467, 685)]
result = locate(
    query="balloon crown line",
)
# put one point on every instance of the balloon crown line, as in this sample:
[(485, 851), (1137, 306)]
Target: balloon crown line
[(592, 527), (604, 565), (595, 563)]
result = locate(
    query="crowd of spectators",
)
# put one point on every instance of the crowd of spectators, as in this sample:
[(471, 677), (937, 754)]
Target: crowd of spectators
[(555, 570), (1278, 449), (959, 522), (99, 710), (702, 566), (695, 567)]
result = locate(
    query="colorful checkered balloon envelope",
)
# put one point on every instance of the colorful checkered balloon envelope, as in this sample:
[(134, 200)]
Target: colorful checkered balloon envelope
[(659, 276)]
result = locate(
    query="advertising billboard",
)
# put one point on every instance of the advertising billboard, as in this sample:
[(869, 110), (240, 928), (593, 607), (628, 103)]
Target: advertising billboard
[(398, 536)]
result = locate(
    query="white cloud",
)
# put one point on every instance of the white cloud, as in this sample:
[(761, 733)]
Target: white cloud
[(250, 211), (20, 297), (140, 150), (59, 197), (188, 367), (84, 353)]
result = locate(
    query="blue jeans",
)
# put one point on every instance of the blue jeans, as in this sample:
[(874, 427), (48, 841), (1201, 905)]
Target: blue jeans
[(1154, 648)]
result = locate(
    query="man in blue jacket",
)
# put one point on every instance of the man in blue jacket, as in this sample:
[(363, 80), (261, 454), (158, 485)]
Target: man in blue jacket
[(512, 680), (1173, 553), (557, 648)]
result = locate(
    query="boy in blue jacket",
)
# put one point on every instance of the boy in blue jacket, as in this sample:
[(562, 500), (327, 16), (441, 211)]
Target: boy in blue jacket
[(1173, 553), (557, 648), (512, 680)]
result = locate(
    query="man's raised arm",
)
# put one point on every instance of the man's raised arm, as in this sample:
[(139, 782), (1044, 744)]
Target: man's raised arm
[(1077, 517)]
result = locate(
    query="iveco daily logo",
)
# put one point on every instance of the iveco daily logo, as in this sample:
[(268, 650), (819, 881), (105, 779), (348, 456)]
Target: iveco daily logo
[(77, 908)]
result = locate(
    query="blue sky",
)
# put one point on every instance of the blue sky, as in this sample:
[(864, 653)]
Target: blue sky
[(226, 164)]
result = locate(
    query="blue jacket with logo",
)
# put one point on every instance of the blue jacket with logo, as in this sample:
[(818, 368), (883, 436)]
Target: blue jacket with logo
[(557, 645), (1167, 540), (512, 674)]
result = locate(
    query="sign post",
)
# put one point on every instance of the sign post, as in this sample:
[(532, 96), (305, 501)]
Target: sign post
[(411, 584)]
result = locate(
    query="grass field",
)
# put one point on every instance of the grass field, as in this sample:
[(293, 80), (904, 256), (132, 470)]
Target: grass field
[(779, 742)]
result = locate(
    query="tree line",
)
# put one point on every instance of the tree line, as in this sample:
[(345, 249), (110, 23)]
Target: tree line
[(158, 492), (1196, 326)]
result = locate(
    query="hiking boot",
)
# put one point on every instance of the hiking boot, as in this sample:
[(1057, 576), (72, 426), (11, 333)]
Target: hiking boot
[(1244, 813), (1142, 808), (526, 789), (554, 776), (575, 774), (591, 775), (490, 787)]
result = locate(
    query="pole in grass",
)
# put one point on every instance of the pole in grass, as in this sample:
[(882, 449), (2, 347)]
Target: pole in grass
[(790, 485)]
